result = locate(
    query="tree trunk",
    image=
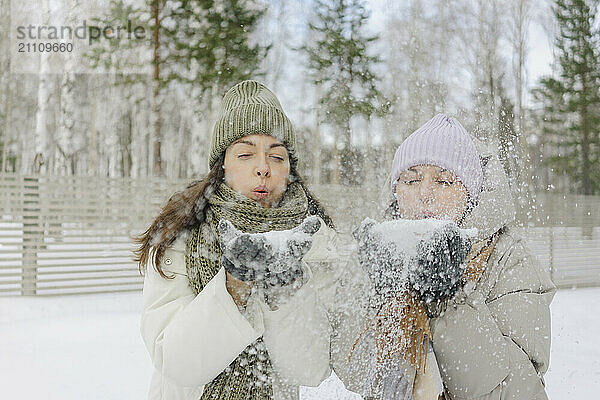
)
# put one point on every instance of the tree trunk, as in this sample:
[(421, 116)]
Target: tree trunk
[(317, 146), (64, 153), (125, 142), (156, 92), (335, 177), (585, 140), (40, 142), (340, 168), (93, 141), (5, 83), (64, 140), (7, 130)]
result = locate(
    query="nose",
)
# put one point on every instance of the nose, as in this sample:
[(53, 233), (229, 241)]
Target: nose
[(427, 191), (262, 169)]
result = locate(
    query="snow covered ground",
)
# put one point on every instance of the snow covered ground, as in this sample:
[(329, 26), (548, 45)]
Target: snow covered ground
[(88, 347)]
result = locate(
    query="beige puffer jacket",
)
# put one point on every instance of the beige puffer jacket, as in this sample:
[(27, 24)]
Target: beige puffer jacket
[(493, 341)]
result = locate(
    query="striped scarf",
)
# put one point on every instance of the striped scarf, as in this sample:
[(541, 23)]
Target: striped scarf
[(249, 376)]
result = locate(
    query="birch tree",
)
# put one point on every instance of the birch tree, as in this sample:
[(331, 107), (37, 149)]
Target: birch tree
[(38, 160), (6, 90)]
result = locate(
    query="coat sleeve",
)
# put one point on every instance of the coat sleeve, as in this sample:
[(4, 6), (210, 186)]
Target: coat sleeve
[(497, 345), (344, 292), (191, 339), (339, 293), (520, 303), (297, 333), (297, 337), (349, 316)]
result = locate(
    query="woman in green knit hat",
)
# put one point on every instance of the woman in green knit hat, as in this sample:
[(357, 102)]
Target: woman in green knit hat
[(231, 308)]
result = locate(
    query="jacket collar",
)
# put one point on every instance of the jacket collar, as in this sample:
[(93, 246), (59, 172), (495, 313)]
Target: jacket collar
[(495, 208)]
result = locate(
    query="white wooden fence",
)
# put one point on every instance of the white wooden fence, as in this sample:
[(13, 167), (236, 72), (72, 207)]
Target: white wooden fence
[(66, 235), (61, 235), (565, 235)]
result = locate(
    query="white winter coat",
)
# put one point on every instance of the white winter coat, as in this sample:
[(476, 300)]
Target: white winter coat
[(192, 338)]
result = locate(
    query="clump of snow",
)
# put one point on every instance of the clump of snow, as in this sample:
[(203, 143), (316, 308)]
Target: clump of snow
[(406, 234), (427, 255), (272, 252)]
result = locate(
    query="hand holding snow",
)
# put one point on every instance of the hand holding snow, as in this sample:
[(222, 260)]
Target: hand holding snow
[(381, 259), (244, 254), (427, 255), (439, 264), (273, 258)]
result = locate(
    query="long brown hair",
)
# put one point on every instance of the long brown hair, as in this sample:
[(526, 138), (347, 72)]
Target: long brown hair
[(187, 208)]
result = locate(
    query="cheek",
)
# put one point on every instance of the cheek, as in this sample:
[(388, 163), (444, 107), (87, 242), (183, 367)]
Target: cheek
[(453, 202), (280, 173), (236, 175), (406, 198)]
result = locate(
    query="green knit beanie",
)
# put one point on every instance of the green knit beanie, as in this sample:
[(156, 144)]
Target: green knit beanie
[(250, 108)]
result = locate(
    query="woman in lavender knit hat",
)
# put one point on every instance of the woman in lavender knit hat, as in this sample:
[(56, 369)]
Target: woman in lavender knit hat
[(482, 303)]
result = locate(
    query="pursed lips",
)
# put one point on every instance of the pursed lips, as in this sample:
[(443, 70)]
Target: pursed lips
[(427, 214), (260, 191)]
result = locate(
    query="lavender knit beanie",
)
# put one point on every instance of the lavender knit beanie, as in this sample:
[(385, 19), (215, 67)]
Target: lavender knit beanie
[(442, 141)]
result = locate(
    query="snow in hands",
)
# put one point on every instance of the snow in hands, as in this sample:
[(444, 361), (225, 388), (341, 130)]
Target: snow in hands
[(426, 255), (381, 259), (437, 271), (272, 258)]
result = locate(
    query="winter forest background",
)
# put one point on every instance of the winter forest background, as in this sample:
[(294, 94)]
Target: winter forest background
[(356, 78)]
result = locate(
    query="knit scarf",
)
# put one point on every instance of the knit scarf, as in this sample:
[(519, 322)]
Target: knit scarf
[(249, 376), (401, 326)]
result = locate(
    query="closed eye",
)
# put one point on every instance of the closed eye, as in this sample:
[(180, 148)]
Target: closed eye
[(244, 155), (411, 181), (277, 157), (444, 182)]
